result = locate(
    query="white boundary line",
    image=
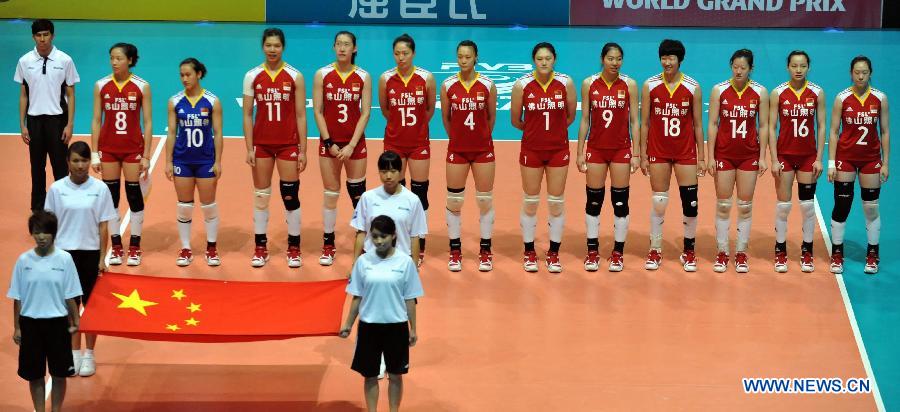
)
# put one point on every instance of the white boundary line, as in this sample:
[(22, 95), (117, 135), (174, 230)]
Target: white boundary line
[(879, 403)]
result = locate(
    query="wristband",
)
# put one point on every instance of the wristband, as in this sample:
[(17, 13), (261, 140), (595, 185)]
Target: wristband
[(95, 158), (831, 164), (327, 143)]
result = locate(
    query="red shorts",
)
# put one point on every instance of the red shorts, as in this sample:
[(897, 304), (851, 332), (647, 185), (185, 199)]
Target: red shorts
[(462, 158), (749, 165), (413, 153), (542, 158), (799, 163), (687, 161), (622, 155), (120, 157), (862, 166), (359, 152), (280, 152)]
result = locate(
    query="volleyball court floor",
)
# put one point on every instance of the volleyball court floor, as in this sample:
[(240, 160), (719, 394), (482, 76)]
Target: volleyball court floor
[(504, 340)]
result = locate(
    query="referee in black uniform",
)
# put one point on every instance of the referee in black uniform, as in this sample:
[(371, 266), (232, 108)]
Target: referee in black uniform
[(46, 107)]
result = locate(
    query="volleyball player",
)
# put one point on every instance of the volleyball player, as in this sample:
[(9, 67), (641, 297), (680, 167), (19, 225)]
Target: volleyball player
[(122, 149), (275, 138), (543, 106), (194, 153), (738, 136), (859, 145), (672, 140), (797, 110), (469, 102), (342, 100), (609, 119), (406, 94)]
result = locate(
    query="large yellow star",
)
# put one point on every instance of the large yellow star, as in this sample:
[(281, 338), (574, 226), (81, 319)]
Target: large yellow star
[(195, 307), (178, 294), (172, 328), (192, 322), (134, 301)]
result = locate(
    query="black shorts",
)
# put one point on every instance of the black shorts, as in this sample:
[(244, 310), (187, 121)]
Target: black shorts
[(87, 263), (45, 342), (375, 339)]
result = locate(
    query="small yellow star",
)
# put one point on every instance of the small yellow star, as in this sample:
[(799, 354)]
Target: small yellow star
[(195, 307), (134, 301), (172, 328), (178, 294), (192, 322)]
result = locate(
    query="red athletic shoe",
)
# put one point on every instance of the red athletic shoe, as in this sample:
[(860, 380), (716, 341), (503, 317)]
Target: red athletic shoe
[(592, 261), (455, 261), (260, 257), (781, 265)]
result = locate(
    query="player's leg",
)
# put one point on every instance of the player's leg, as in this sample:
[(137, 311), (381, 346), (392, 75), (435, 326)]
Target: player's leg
[(745, 187), (135, 197), (111, 172), (806, 193), (843, 201), (595, 190), (686, 175), (330, 169), (556, 187), (184, 193), (620, 176), (483, 173), (456, 193), (419, 165), (531, 189), (289, 188), (870, 191), (724, 179), (206, 186), (783, 189), (262, 191), (660, 176)]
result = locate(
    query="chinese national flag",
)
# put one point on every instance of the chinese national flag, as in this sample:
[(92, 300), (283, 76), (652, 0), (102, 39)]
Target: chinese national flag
[(195, 310)]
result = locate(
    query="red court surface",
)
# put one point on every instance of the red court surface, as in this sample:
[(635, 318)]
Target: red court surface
[(499, 341)]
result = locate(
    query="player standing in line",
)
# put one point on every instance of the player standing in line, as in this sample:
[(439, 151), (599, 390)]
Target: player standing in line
[(797, 110), (543, 106), (611, 125), (194, 153), (276, 138), (406, 94), (122, 149), (469, 102), (672, 139), (342, 101), (738, 136), (858, 119)]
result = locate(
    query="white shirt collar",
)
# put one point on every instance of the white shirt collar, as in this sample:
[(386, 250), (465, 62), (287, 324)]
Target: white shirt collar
[(51, 56)]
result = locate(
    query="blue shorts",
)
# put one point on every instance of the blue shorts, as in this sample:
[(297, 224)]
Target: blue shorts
[(198, 170)]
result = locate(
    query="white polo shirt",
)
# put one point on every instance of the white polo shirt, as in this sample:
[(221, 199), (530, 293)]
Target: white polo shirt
[(404, 207), (384, 286), (79, 209), (43, 283), (46, 90)]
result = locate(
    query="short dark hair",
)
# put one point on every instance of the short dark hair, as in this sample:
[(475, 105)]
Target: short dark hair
[(130, 51), (352, 39), (196, 65), (384, 224), (273, 31), (669, 47), (405, 38), (861, 58), (468, 43), (80, 148), (42, 221), (799, 53), (543, 45), (40, 25), (390, 160), (609, 46), (743, 53)]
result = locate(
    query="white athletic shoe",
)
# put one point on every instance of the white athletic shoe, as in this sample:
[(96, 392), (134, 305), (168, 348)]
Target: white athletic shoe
[(88, 367)]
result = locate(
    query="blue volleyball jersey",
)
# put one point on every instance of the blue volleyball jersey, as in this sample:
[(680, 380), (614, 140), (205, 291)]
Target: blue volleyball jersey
[(194, 141)]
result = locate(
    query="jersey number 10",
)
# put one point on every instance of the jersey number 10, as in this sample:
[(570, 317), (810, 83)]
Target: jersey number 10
[(194, 137)]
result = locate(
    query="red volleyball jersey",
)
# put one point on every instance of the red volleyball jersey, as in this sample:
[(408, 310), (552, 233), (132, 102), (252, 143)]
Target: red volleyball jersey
[(407, 104), (121, 103), (469, 128), (859, 139), (671, 134), (274, 94), (797, 118), (610, 109), (738, 135), (341, 97), (546, 115)]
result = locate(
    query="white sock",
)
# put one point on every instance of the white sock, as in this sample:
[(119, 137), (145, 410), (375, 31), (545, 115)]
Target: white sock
[(723, 226), (837, 232), (486, 221), (592, 226), (620, 226), (293, 221), (115, 226), (211, 221), (690, 227), (557, 225), (260, 221), (873, 221), (656, 222), (88, 353), (454, 224), (528, 224), (137, 223), (809, 219), (184, 233), (329, 219), (743, 233), (782, 211)]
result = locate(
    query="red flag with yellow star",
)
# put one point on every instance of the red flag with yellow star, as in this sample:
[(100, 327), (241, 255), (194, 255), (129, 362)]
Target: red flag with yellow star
[(197, 310)]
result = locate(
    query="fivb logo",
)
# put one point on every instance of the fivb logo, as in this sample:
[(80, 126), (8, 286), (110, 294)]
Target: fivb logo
[(504, 76)]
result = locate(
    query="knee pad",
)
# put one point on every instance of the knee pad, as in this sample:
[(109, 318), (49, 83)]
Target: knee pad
[(289, 192), (485, 201), (869, 195), (843, 200), (619, 197), (261, 198), (114, 188), (809, 208), (530, 204), (455, 199), (184, 212), (594, 202), (688, 200), (420, 189), (783, 210), (660, 201), (870, 209), (745, 209), (355, 189), (329, 199), (135, 196), (210, 211), (556, 205), (806, 191), (723, 208)]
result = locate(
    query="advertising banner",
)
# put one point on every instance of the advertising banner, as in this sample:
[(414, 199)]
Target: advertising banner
[(168, 10)]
